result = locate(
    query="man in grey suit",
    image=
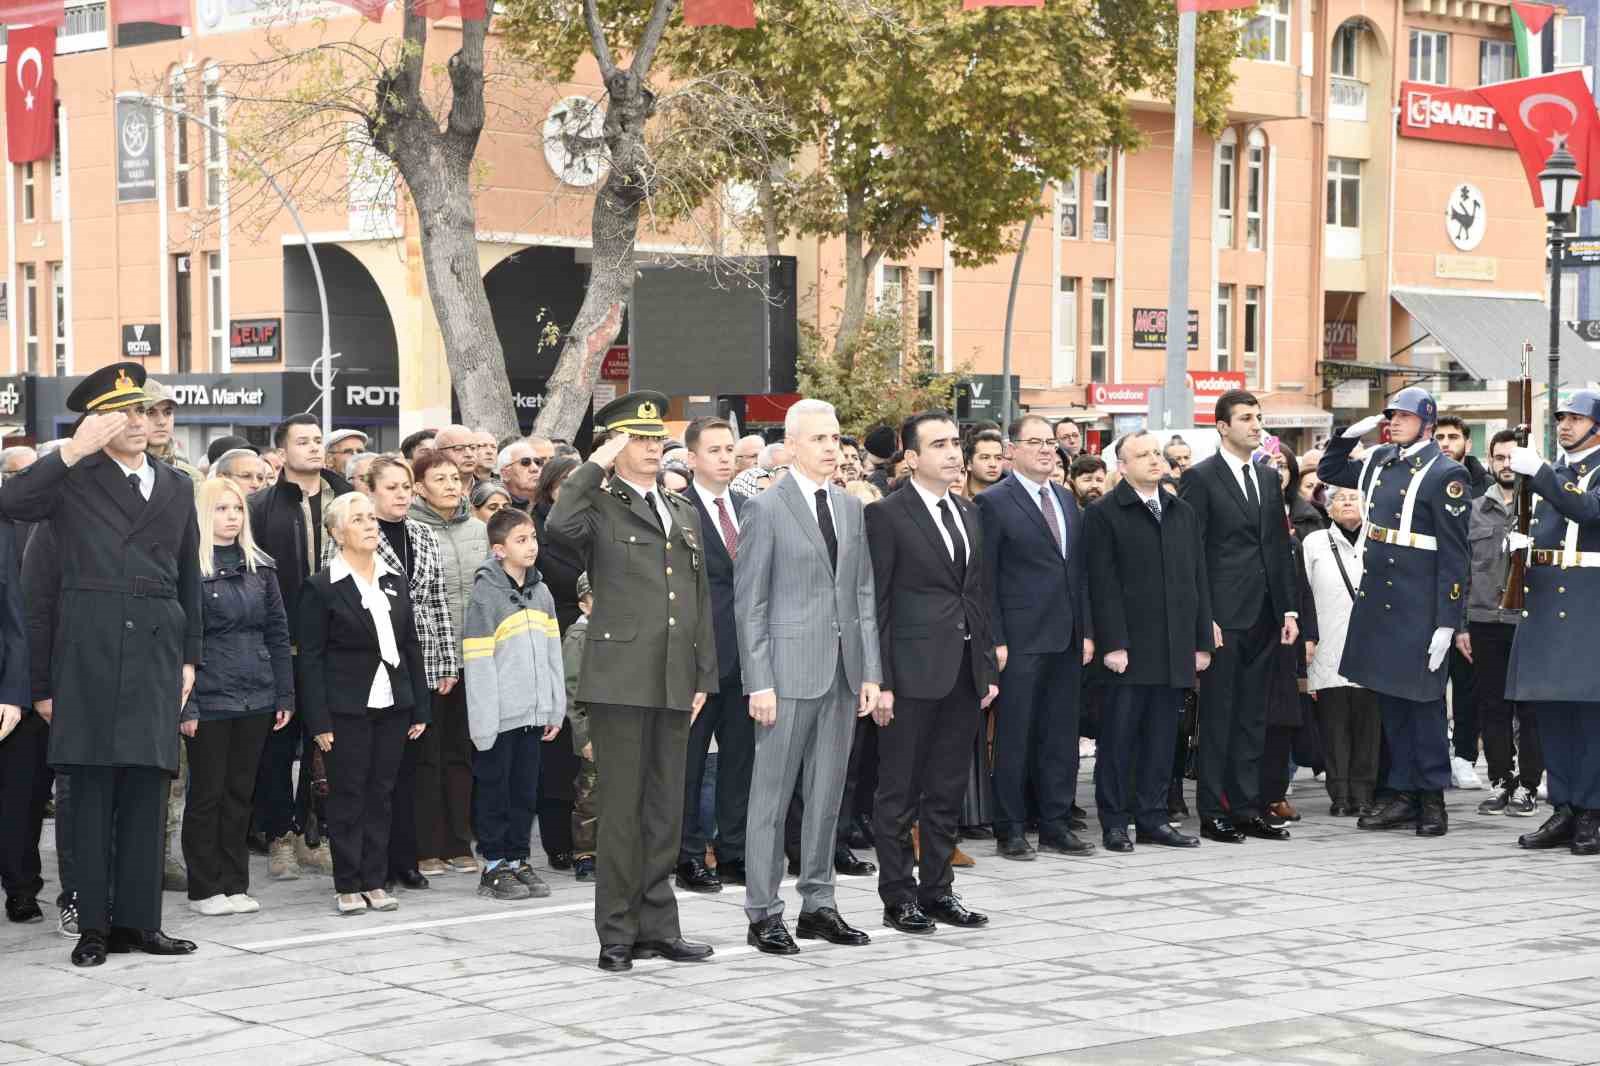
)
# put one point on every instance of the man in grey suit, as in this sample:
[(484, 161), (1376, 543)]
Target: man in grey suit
[(808, 646)]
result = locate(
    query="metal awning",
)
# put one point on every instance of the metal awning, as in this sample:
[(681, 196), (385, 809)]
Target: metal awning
[(1485, 334)]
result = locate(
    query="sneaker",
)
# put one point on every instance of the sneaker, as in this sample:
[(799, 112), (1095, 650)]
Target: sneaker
[(1497, 803), (464, 864), (584, 868), (502, 883), (432, 868), (1523, 803), (319, 858), (524, 873), (67, 920), (1462, 775), (242, 903), (348, 903), (211, 906), (281, 864), (379, 900)]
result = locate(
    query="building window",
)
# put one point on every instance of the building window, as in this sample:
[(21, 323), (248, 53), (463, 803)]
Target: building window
[(214, 144), (1101, 203), (1430, 57), (1497, 61), (1099, 327), (29, 198), (180, 144), (30, 315), (58, 181), (1068, 193), (1220, 358), (1344, 192), (892, 291), (1227, 157), (927, 315), (58, 303), (1267, 35), (1346, 61), (1569, 41), (214, 319), (1252, 337), (1064, 367), (1254, 188)]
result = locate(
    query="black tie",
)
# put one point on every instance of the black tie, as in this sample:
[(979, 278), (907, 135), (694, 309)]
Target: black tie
[(825, 523), (138, 490), (958, 551), (1250, 486), (650, 502)]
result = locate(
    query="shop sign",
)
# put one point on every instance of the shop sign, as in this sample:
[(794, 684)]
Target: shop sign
[(1578, 252), (979, 399), (1458, 116), (141, 341), (614, 367), (1355, 393), (1339, 341), (1205, 385), (225, 391), (1465, 267), (255, 340), (1150, 328)]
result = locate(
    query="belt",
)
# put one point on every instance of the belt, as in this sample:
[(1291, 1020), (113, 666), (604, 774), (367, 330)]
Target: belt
[(1405, 540), (1557, 557), (152, 587)]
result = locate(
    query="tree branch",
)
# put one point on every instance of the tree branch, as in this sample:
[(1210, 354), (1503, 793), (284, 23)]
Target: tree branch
[(650, 40), (466, 84), (597, 38)]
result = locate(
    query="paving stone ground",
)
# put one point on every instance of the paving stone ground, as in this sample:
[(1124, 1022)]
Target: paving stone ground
[(1339, 947)]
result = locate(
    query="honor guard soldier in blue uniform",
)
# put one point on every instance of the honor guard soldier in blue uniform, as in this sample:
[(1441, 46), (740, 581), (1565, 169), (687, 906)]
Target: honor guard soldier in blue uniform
[(1551, 668), (1410, 603)]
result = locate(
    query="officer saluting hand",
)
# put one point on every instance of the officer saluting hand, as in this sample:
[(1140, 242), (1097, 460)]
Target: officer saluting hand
[(1410, 603)]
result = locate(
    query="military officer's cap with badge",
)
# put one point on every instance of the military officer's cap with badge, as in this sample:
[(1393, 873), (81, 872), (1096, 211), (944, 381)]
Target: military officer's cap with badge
[(638, 414), (111, 388)]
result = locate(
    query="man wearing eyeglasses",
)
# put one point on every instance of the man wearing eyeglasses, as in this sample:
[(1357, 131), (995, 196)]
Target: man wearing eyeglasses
[(1039, 612), (519, 470), (459, 444)]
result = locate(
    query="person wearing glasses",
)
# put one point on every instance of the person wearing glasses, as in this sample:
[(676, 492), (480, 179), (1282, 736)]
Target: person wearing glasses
[(459, 445), (243, 466), (518, 467)]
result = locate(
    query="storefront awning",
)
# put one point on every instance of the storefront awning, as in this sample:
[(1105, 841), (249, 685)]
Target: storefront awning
[(1485, 334)]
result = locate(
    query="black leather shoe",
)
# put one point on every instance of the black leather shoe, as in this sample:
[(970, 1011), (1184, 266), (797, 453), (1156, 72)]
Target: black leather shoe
[(1400, 811), (908, 918), (1167, 837), (825, 923), (616, 958), (257, 843), (730, 871), (1585, 834), (559, 860), (675, 950), (412, 879), (1220, 830), (794, 865), (1116, 839), (1016, 848), (845, 863), (695, 876), (1554, 833), (1064, 843), (948, 910), (1262, 829), (149, 941), (977, 832), (1077, 812), (1432, 821), (1341, 810), (23, 909), (90, 949), (769, 937), (861, 834)]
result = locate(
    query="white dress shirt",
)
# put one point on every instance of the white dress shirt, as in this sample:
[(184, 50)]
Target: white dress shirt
[(146, 471), (932, 502), (376, 601), (710, 499), (655, 494), (808, 489), (1032, 487)]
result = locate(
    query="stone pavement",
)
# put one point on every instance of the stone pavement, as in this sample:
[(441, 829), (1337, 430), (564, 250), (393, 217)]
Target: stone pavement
[(1337, 947)]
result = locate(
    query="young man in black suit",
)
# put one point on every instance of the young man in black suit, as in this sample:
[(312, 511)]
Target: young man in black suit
[(1033, 574), (726, 714), (1240, 509), (939, 671), (1152, 615)]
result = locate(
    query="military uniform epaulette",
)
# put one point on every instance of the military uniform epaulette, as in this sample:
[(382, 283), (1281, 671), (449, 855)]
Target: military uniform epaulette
[(677, 496)]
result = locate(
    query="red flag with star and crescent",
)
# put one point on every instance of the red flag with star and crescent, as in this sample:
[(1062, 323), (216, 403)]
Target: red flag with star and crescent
[(1543, 113), (30, 93)]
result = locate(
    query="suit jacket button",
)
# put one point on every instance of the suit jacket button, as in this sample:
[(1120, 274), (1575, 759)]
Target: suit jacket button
[(608, 635), (1561, 588), (1388, 607), (961, 625), (669, 545), (669, 571), (1524, 614), (672, 621), (672, 595), (1561, 614), (127, 625), (632, 539)]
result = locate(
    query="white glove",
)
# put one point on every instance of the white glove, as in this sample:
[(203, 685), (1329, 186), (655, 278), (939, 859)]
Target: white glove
[(1516, 542), (1526, 461), (1363, 427), (1439, 646)]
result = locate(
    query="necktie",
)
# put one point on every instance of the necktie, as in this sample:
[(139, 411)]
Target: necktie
[(730, 536), (958, 548), (138, 490), (1155, 507), (650, 502), (825, 523), (1050, 515), (1250, 486)]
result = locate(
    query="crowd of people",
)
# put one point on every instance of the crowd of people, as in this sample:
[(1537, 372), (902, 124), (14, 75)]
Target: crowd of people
[(707, 662)]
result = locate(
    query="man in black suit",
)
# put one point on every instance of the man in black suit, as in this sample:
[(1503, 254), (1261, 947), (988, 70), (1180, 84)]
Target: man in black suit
[(1033, 574), (938, 672), (726, 714), (1152, 616), (1240, 508)]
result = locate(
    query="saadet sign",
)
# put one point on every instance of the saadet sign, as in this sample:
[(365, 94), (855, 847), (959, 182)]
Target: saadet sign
[(1459, 116)]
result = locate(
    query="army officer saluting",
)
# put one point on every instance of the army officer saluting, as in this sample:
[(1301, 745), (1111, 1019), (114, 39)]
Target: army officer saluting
[(125, 652), (650, 660)]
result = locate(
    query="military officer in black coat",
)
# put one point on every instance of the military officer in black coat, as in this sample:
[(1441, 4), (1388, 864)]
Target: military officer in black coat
[(1410, 601), (127, 644), (1552, 670)]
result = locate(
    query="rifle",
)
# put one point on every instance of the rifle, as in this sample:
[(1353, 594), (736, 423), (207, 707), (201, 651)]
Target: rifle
[(1511, 597)]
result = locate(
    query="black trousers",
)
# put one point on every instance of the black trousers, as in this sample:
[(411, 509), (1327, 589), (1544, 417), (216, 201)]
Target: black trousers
[(118, 826), (1133, 755), (24, 787), (1036, 739), (276, 809), (223, 758), (559, 770), (923, 754), (444, 780), (1233, 720), (725, 716), (642, 755), (1276, 747), (1352, 734), (507, 793), (403, 855), (362, 766), (1464, 704), (1512, 759)]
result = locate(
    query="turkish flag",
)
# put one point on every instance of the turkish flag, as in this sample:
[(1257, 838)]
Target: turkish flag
[(444, 9), (33, 12), (166, 12), (740, 14), (1544, 113), (30, 93), (1214, 5)]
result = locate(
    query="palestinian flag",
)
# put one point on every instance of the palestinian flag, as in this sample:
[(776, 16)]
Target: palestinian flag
[(1528, 22)]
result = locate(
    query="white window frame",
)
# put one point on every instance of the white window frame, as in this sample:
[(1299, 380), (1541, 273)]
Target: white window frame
[(1250, 337), (216, 328), (1226, 187), (1344, 60), (1569, 35), (1100, 311), (58, 181), (1428, 54), (30, 194), (1343, 239), (216, 150), (58, 316), (1220, 344), (1271, 24), (1064, 365), (30, 317), (1100, 210), (928, 282), (1255, 189), (892, 290), (1070, 209), (181, 148), (1497, 61)]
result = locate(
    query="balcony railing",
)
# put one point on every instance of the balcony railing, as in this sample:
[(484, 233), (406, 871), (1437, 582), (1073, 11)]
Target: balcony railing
[(1347, 99)]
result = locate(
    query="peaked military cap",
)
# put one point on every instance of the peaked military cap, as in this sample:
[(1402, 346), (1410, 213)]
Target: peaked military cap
[(111, 388), (638, 414)]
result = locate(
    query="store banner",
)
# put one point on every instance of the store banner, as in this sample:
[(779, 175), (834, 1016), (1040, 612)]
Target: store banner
[(136, 150)]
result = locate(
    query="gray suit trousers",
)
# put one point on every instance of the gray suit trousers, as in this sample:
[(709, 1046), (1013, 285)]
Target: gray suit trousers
[(814, 735)]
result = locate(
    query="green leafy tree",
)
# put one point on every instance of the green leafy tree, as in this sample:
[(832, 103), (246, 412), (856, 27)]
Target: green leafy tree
[(883, 379)]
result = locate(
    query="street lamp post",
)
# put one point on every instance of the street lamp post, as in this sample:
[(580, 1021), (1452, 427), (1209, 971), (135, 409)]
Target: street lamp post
[(1558, 182)]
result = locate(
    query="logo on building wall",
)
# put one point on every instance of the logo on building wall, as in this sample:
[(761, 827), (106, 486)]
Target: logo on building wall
[(1460, 116), (574, 141), (10, 399), (1465, 217), (136, 161)]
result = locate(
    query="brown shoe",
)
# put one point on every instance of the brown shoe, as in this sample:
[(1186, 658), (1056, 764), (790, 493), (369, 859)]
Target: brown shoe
[(961, 858), (1283, 809)]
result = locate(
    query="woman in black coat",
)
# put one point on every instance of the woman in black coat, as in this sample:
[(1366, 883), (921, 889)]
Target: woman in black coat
[(559, 564), (243, 689), (364, 692)]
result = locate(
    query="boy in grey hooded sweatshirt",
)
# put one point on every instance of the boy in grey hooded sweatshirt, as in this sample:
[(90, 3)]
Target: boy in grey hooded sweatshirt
[(515, 698)]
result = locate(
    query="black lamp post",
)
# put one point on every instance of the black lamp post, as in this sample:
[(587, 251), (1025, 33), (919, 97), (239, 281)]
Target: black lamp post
[(1558, 181)]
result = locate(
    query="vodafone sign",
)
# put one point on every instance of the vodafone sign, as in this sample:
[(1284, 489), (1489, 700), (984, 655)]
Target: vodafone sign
[(1459, 116), (1206, 385)]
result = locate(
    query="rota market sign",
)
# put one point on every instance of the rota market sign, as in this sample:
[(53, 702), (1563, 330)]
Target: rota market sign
[(1459, 116)]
